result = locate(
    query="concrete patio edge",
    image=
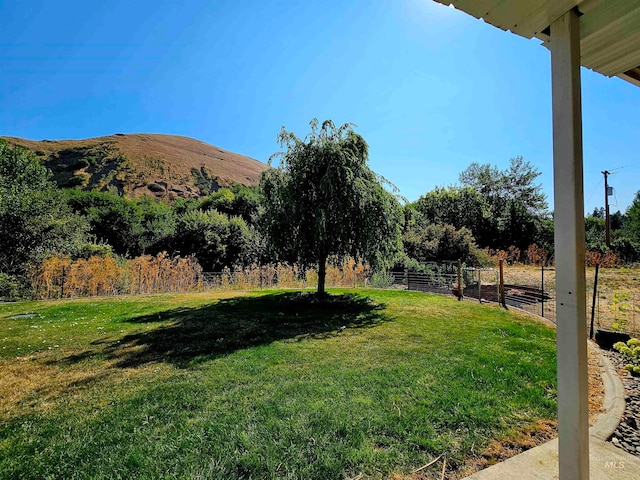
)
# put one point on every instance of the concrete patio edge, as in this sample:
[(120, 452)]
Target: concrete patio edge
[(614, 403)]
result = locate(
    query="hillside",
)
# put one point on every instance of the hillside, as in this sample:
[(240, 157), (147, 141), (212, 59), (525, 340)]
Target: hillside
[(163, 166)]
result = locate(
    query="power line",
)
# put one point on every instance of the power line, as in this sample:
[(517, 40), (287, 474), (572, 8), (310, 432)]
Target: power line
[(594, 191)]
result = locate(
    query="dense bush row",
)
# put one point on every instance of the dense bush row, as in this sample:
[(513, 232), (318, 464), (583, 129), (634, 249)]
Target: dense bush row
[(492, 215)]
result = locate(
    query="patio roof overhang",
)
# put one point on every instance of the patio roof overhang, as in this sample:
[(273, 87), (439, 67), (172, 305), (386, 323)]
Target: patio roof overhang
[(609, 29), (604, 36)]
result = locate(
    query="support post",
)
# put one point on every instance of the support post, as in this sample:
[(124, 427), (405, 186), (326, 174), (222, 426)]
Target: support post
[(573, 426), (479, 285)]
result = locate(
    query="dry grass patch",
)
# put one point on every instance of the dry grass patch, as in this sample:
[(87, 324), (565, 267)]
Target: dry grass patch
[(33, 384), (618, 301)]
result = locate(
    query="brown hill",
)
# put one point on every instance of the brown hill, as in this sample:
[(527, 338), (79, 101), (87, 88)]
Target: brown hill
[(163, 166)]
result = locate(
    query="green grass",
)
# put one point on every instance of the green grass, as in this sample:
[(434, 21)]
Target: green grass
[(263, 385)]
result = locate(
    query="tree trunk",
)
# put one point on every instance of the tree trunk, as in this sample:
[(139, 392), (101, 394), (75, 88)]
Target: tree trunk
[(322, 274)]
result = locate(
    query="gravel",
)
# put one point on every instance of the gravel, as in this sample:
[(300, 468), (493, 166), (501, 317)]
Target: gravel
[(627, 435)]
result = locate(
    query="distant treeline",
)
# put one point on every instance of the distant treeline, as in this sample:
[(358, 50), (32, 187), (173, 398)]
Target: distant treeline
[(491, 213), (505, 212)]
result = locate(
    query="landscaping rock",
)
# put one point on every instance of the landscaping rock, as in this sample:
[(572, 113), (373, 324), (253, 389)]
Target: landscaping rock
[(627, 435)]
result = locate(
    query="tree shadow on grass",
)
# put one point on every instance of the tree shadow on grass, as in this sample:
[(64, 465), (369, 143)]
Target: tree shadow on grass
[(198, 334)]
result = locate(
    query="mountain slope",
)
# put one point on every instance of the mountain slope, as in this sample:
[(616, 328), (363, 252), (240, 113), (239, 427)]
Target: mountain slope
[(163, 166)]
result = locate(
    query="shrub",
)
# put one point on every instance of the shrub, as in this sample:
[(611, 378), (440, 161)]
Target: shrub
[(631, 353), (537, 255), (10, 287), (438, 242), (607, 259), (381, 280)]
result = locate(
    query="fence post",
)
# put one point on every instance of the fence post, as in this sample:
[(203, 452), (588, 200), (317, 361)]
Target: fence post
[(459, 280), (542, 290), (501, 286), (64, 276), (479, 285), (593, 301)]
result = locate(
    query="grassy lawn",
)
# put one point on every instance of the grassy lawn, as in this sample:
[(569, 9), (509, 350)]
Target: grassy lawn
[(263, 385)]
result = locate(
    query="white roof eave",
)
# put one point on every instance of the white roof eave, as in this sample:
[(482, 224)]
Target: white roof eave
[(610, 29)]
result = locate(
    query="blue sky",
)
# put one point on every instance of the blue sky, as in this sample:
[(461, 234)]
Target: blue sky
[(430, 88)]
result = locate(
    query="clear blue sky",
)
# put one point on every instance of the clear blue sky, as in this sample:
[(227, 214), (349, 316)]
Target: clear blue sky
[(430, 88)]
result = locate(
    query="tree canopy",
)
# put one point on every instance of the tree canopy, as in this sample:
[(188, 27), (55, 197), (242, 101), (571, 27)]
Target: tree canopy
[(514, 184), (632, 224), (501, 208), (441, 242), (323, 200), (34, 218)]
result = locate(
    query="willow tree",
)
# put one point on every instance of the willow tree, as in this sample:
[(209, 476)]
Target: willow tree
[(323, 200)]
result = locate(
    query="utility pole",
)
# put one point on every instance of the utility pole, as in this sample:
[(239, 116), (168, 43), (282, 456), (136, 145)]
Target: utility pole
[(607, 220)]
